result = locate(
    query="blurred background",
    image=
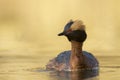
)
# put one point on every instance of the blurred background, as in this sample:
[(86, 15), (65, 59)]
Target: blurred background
[(30, 27)]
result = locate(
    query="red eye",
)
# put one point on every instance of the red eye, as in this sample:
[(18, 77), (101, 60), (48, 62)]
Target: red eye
[(69, 30)]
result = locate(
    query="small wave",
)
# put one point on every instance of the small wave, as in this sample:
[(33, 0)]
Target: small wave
[(110, 66), (41, 69)]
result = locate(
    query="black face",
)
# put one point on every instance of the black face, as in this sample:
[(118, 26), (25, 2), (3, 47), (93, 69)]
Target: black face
[(76, 35)]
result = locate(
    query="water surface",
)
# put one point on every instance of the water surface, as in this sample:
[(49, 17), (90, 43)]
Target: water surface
[(27, 67)]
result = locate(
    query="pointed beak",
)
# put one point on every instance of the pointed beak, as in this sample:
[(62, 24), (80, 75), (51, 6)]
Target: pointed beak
[(61, 34), (65, 32), (66, 29)]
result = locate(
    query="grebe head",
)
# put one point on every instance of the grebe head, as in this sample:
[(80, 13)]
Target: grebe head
[(74, 30)]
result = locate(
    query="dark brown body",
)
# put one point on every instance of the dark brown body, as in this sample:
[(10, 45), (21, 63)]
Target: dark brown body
[(73, 60)]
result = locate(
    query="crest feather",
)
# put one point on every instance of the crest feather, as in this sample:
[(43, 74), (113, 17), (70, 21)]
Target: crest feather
[(78, 25)]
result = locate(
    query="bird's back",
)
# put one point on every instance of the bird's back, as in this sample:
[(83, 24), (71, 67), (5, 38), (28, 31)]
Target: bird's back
[(61, 62)]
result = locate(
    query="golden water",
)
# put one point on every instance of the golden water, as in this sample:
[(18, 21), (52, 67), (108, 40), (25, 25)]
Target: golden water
[(32, 67)]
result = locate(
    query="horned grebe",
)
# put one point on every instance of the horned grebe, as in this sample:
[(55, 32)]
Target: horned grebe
[(74, 59)]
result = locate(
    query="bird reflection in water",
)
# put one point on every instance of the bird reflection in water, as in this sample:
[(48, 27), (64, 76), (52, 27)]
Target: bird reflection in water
[(76, 75)]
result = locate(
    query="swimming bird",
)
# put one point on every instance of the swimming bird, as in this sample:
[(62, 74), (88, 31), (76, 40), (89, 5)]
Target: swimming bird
[(74, 59)]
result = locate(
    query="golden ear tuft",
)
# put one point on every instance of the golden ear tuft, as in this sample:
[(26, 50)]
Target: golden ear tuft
[(82, 27), (78, 25)]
